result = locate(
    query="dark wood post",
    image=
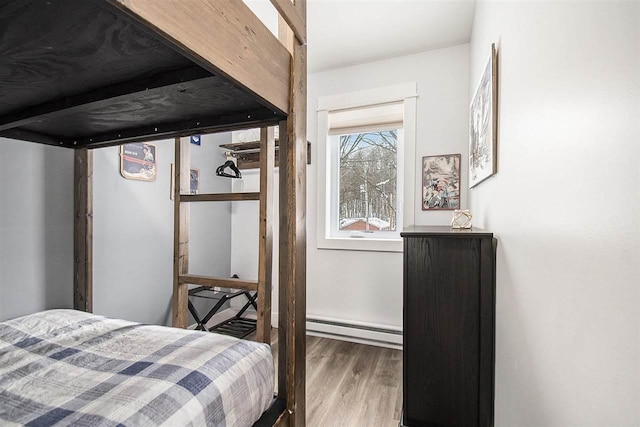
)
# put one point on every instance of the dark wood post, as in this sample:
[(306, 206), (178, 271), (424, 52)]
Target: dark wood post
[(293, 239), (83, 231)]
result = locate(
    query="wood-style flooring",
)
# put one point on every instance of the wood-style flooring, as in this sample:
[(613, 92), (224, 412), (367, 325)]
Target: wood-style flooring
[(351, 385)]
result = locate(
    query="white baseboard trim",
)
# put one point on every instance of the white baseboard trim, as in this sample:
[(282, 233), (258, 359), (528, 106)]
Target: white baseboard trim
[(353, 331), (356, 340)]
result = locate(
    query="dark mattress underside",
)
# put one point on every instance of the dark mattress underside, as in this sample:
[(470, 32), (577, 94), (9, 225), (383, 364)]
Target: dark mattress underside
[(81, 73)]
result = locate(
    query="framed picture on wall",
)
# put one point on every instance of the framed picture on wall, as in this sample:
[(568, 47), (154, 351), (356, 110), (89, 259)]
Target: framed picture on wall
[(483, 124), (441, 182), (138, 161)]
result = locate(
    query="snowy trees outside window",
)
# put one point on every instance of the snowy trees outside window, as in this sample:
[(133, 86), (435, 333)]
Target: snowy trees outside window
[(368, 174)]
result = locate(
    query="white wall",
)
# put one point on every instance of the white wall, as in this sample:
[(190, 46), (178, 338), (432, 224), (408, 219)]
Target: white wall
[(133, 232), (210, 236), (565, 208), (36, 228), (367, 286)]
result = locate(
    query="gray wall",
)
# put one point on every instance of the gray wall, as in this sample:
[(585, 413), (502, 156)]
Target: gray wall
[(36, 228), (133, 233)]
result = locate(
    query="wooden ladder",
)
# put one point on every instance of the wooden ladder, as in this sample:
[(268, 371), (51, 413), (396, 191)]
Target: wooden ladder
[(181, 277)]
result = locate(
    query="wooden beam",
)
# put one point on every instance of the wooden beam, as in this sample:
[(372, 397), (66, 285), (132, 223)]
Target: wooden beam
[(296, 165), (83, 231), (220, 197), (102, 96), (285, 34), (292, 268), (292, 279), (284, 317), (223, 282), (292, 17), (180, 233), (265, 246), (234, 43)]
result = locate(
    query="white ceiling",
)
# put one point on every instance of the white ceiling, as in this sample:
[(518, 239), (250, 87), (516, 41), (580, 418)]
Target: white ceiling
[(349, 32), (342, 33)]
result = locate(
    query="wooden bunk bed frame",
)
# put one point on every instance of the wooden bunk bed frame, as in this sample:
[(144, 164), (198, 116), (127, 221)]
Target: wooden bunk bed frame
[(83, 74)]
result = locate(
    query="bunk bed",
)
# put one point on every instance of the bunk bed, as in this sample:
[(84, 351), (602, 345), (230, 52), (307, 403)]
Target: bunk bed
[(83, 74)]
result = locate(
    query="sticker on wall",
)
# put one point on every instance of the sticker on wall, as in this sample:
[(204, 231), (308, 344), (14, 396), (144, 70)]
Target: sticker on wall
[(194, 180), (138, 161), (195, 139)]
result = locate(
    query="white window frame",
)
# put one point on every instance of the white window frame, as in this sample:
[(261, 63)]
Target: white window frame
[(405, 93)]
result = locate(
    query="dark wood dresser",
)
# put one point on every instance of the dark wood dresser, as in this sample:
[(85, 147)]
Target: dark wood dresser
[(449, 327)]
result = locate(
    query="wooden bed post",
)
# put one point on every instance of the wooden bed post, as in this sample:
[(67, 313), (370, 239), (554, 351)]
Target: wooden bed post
[(292, 271), (180, 232), (265, 248), (83, 231)]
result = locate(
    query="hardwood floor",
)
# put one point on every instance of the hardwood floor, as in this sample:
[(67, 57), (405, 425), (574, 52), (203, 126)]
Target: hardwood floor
[(351, 385)]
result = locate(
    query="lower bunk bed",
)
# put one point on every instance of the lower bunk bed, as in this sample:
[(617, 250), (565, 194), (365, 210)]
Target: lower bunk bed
[(67, 367)]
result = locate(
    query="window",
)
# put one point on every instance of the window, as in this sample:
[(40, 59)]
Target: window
[(362, 138), (368, 181)]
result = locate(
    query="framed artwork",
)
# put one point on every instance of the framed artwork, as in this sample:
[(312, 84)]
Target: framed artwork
[(483, 124), (138, 161), (441, 182), (194, 181)]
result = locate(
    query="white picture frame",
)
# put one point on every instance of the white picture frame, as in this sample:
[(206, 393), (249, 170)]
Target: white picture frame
[(483, 125)]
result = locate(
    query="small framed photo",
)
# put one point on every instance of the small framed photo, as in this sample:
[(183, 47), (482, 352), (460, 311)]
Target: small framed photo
[(441, 182), (138, 161), (483, 124)]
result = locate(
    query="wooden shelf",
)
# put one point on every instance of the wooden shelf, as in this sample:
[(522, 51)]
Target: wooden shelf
[(219, 197), (248, 153)]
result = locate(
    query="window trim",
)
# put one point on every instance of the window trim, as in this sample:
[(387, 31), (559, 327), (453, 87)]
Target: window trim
[(405, 93)]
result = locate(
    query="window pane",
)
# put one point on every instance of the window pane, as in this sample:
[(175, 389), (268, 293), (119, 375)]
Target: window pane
[(368, 181)]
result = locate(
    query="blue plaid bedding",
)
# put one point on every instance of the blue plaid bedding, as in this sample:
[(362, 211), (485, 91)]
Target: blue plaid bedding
[(67, 367)]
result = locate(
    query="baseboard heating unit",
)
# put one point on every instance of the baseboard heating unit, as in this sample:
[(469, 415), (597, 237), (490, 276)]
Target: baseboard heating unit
[(363, 333)]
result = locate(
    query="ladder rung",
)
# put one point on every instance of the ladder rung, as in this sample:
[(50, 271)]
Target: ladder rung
[(219, 197), (223, 282)]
